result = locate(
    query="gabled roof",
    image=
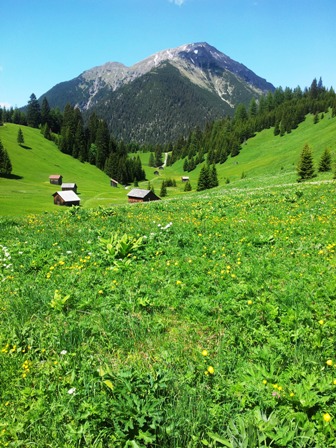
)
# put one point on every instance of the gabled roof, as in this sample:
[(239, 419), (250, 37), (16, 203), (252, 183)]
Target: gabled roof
[(138, 193), (67, 196), (55, 176)]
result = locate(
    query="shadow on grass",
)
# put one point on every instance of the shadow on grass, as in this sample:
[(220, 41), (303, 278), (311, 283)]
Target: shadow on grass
[(11, 176), (25, 147)]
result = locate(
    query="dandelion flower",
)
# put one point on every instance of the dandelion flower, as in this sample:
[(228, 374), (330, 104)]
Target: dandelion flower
[(205, 353), (249, 302), (329, 362), (211, 370), (327, 417), (265, 382), (321, 322)]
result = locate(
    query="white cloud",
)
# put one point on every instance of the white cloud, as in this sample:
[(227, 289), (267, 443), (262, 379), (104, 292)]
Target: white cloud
[(6, 105), (177, 2)]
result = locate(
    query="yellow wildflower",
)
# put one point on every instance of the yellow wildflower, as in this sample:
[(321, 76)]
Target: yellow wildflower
[(327, 417)]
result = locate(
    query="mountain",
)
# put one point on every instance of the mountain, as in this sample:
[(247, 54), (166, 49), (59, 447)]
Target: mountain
[(163, 96)]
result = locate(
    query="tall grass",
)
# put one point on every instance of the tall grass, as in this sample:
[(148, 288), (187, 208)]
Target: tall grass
[(217, 330)]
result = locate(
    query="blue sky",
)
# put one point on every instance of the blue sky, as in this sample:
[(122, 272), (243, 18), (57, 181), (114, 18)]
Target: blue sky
[(42, 43)]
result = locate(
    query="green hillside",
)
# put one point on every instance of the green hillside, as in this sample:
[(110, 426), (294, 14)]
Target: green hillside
[(263, 160), (29, 190)]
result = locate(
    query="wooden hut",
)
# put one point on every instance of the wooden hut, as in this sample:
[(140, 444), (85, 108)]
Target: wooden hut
[(55, 179), (139, 195), (114, 183), (68, 198), (69, 187), (185, 178)]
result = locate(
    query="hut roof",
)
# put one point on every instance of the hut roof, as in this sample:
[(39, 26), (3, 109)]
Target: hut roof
[(67, 196), (55, 176), (68, 185), (138, 193)]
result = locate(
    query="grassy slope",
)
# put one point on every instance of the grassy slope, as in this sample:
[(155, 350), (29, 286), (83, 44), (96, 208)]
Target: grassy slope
[(33, 164), (264, 159)]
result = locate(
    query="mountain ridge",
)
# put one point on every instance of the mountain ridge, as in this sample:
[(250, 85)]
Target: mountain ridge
[(202, 65)]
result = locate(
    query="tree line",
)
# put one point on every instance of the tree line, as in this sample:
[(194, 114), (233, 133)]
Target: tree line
[(89, 142), (284, 109)]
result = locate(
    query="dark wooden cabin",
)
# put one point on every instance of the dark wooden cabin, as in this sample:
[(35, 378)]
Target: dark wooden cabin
[(139, 195), (55, 179), (67, 198)]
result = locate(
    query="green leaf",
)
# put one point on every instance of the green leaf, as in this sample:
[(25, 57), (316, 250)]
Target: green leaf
[(109, 384), (219, 439)]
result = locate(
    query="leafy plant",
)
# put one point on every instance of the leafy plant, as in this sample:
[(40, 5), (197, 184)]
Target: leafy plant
[(120, 247)]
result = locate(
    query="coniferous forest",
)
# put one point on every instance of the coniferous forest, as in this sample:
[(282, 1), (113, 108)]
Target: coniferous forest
[(89, 139)]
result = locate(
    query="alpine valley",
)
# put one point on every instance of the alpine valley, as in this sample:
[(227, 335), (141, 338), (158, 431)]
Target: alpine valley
[(165, 95)]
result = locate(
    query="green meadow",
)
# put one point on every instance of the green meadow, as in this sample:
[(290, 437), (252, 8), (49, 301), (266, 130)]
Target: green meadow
[(202, 320), (264, 160)]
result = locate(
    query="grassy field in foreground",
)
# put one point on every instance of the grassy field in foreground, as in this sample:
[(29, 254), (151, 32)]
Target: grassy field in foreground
[(264, 160), (204, 321)]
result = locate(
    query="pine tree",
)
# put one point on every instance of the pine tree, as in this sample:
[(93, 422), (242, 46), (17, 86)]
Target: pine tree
[(45, 112), (187, 186), (203, 179), (213, 179), (163, 191), (305, 166), (151, 160), (5, 163), (325, 162), (20, 138), (33, 112), (102, 143)]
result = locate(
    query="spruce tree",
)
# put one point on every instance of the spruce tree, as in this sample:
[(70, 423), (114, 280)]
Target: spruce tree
[(20, 138), (187, 186), (305, 167), (203, 179), (325, 162), (151, 160), (5, 163), (45, 112), (163, 191), (33, 112), (213, 179)]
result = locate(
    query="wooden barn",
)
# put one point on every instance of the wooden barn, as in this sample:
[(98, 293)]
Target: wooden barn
[(55, 179), (114, 183), (139, 195), (185, 178), (68, 198), (69, 187)]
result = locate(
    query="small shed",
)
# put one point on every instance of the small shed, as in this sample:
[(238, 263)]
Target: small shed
[(139, 195), (55, 179), (185, 178), (156, 173), (114, 183), (68, 198), (69, 187)]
